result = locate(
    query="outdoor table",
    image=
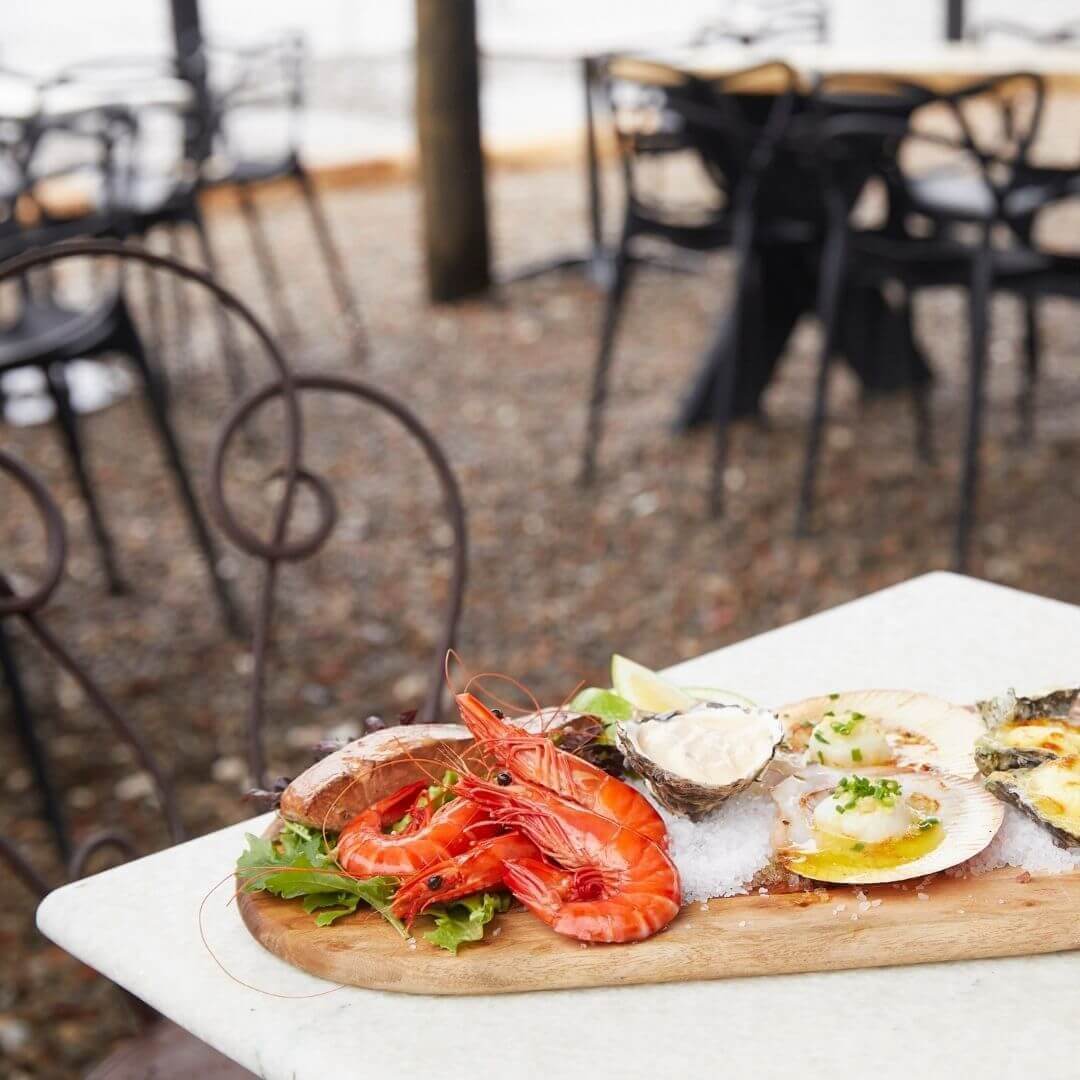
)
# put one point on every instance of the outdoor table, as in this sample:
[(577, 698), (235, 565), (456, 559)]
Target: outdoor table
[(941, 66), (788, 289), (941, 633)]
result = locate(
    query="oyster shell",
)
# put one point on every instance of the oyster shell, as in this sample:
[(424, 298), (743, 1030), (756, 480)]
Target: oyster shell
[(967, 813), (684, 766), (921, 729), (1026, 731), (1049, 793)]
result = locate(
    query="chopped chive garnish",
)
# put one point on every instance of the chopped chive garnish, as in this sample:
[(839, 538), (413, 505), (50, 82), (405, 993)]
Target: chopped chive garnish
[(820, 737), (855, 788), (833, 697), (928, 823), (821, 757), (856, 754), (858, 847)]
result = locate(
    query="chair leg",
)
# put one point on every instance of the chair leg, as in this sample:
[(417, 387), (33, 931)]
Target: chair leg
[(267, 267), (234, 362), (159, 417), (180, 303), (979, 307), (833, 272), (919, 390), (727, 356), (1031, 373), (616, 295), (68, 424), (32, 748), (339, 279)]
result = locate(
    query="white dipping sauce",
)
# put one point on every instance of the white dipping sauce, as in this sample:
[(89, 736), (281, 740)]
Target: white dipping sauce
[(711, 746)]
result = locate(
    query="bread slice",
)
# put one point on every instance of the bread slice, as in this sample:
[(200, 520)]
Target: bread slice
[(333, 791)]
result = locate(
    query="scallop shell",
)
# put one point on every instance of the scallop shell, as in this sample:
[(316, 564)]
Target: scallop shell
[(970, 815), (681, 795), (922, 729)]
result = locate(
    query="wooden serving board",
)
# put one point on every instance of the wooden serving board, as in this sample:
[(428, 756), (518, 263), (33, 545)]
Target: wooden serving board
[(992, 915)]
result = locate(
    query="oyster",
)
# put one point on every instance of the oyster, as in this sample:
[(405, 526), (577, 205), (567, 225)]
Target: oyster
[(886, 825), (1049, 793), (693, 760), (918, 728), (1026, 731)]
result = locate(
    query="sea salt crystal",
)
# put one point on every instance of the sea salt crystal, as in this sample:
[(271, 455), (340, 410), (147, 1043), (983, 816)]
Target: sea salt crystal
[(1022, 843), (742, 923), (864, 905), (875, 903), (860, 895), (922, 896), (496, 932), (720, 855), (854, 916)]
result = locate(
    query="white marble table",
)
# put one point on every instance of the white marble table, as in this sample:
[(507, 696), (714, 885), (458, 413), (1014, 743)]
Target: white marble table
[(940, 633)]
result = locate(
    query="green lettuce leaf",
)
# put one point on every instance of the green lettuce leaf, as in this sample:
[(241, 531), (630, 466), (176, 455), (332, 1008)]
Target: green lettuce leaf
[(464, 920), (298, 864)]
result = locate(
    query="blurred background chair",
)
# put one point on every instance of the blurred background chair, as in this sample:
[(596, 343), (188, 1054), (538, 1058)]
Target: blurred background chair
[(259, 89), (48, 332), (765, 22), (991, 159)]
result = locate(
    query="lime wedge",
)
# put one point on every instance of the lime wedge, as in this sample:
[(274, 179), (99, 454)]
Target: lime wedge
[(719, 697), (646, 690), (606, 704)]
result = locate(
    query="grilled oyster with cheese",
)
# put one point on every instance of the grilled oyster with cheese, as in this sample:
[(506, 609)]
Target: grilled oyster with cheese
[(1049, 793), (1026, 731)]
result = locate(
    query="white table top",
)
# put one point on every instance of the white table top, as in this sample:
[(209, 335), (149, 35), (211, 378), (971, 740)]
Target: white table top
[(940, 633), (943, 65)]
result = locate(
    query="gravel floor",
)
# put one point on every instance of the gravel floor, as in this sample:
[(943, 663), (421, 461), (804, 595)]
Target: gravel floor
[(558, 577)]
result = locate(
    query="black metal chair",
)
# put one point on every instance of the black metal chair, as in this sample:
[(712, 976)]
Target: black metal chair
[(772, 22), (267, 81), (734, 134), (941, 258), (49, 333), (983, 33)]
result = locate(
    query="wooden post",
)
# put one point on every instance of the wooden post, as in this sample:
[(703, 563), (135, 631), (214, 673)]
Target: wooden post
[(451, 157)]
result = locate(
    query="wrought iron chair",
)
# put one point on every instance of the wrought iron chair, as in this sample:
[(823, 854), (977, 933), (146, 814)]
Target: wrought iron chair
[(280, 547), (942, 258), (735, 136)]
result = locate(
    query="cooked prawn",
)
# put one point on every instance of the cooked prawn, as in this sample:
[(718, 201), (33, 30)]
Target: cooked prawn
[(537, 759), (609, 882), (366, 849), (471, 871)]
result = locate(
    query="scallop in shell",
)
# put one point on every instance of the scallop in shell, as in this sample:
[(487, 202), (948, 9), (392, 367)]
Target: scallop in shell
[(693, 760), (917, 822), (916, 729), (1026, 731)]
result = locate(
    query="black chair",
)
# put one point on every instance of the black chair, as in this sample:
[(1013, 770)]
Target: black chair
[(772, 22), (734, 134), (266, 81), (942, 257)]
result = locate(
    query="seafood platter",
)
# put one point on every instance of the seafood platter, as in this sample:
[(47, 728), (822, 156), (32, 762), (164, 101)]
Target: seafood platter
[(651, 832)]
